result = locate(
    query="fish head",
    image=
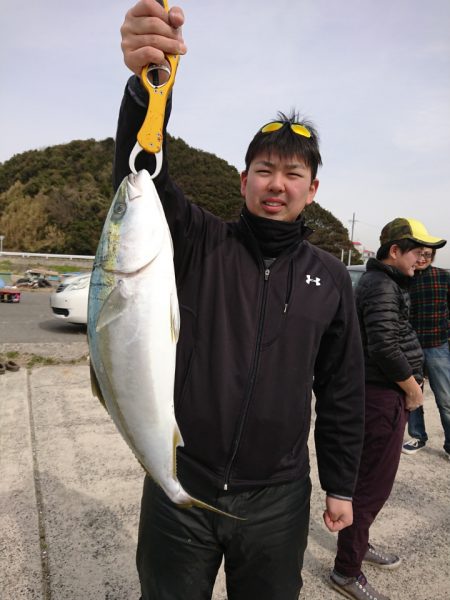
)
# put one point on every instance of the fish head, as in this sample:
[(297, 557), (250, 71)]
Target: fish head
[(135, 227)]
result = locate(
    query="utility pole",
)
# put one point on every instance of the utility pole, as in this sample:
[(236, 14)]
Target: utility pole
[(351, 241)]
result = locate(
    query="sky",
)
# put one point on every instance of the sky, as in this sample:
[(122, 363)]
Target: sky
[(373, 75)]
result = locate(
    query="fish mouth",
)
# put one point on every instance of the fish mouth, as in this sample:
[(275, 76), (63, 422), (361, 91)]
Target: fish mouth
[(137, 183)]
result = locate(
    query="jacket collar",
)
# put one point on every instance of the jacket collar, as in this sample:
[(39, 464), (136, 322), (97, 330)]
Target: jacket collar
[(374, 264), (272, 237)]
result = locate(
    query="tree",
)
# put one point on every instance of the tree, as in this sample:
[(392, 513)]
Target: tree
[(56, 199)]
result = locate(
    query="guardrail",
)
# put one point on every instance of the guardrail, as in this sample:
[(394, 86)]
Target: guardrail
[(48, 256)]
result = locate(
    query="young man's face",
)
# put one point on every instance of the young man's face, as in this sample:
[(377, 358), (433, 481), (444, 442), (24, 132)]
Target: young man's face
[(425, 259), (406, 262), (277, 188)]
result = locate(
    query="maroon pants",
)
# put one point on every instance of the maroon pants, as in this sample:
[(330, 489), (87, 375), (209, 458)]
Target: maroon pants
[(384, 427)]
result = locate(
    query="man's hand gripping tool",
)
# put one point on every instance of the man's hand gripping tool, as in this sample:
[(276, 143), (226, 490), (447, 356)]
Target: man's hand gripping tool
[(150, 135)]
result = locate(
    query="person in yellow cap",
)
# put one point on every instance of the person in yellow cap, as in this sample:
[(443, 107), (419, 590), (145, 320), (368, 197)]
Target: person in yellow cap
[(410, 229), (393, 361), (430, 314)]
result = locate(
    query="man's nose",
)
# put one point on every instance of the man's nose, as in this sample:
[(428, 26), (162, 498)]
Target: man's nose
[(277, 182)]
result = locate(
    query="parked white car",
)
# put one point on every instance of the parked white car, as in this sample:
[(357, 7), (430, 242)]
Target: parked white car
[(70, 299)]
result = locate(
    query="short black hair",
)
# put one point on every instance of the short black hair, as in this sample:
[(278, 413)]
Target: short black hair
[(405, 245), (284, 143)]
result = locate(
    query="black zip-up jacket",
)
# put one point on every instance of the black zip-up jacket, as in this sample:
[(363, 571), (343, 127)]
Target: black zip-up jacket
[(253, 341), (392, 351)]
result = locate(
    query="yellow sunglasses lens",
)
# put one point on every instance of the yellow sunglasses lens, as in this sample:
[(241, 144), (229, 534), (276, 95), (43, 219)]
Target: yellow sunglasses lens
[(300, 130), (296, 128), (275, 126)]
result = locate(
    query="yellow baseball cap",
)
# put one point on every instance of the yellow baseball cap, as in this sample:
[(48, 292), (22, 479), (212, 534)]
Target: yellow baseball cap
[(411, 229)]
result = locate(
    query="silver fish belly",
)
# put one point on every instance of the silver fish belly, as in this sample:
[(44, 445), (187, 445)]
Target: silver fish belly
[(133, 326)]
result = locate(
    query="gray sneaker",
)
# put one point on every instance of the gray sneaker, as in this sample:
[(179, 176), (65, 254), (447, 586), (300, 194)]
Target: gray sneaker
[(355, 587), (382, 560)]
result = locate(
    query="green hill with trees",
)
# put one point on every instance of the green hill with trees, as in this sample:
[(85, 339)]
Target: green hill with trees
[(55, 200)]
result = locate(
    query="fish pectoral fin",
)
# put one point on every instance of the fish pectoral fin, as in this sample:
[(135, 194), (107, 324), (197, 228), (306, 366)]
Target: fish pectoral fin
[(174, 317), (96, 387), (112, 308)]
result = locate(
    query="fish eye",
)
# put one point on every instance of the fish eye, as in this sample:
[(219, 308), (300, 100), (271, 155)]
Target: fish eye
[(120, 208)]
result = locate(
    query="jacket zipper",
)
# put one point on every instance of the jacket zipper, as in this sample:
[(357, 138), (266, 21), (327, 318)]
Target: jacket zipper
[(253, 371)]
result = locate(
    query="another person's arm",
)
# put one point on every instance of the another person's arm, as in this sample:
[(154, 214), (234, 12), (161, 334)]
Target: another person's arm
[(380, 312), (339, 427)]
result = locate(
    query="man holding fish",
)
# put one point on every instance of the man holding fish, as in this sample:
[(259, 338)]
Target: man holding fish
[(266, 319)]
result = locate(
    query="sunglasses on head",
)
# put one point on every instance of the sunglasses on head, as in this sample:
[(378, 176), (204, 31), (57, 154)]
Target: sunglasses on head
[(295, 127)]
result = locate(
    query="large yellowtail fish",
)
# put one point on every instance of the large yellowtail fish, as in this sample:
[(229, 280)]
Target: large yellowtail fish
[(133, 325)]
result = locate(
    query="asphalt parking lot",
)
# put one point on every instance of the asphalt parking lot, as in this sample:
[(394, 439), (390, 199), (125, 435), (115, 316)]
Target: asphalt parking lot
[(31, 321)]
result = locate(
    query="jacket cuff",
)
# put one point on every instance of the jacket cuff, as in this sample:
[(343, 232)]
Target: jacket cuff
[(338, 497), (137, 91)]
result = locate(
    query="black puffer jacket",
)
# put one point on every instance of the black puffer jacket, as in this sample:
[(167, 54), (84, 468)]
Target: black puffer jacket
[(253, 343), (392, 350)]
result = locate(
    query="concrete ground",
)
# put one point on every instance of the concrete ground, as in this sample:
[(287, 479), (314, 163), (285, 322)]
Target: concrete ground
[(70, 492)]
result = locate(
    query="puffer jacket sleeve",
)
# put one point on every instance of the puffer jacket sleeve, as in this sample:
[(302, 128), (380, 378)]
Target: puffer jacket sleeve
[(379, 302), (339, 391)]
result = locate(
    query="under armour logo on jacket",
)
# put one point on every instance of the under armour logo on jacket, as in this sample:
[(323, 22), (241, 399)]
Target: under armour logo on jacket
[(309, 280)]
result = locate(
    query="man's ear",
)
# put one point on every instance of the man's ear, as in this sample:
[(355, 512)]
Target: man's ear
[(244, 176), (394, 251), (312, 191)]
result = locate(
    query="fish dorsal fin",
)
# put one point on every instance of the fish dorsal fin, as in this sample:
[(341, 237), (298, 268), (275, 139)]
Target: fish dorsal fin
[(113, 307), (174, 317)]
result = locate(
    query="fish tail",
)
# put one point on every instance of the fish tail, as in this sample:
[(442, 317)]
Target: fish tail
[(188, 500), (200, 504)]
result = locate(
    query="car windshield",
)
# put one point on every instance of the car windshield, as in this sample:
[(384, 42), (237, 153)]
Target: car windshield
[(355, 274)]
